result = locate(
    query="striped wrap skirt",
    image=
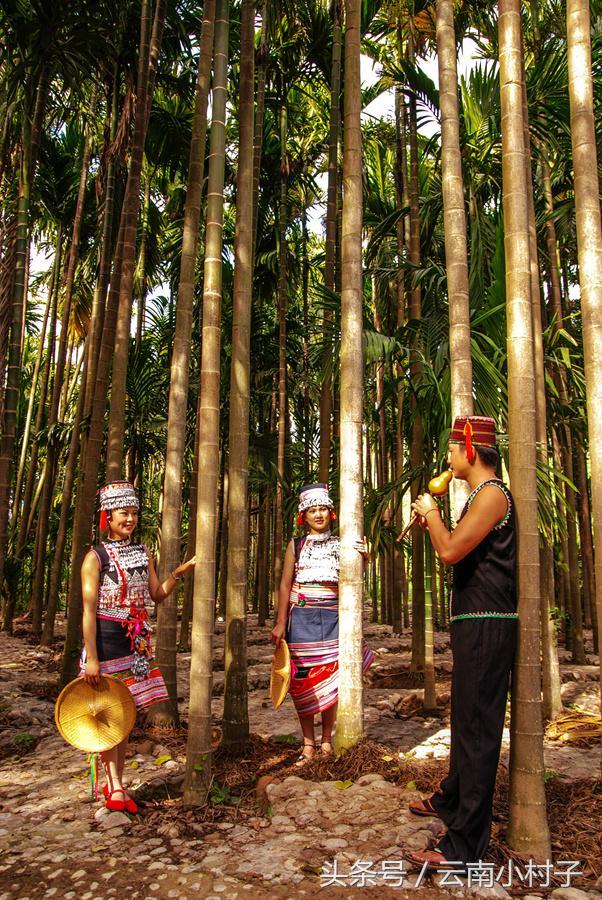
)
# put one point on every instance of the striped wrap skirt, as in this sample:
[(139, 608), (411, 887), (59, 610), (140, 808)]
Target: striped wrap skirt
[(117, 658), (313, 641)]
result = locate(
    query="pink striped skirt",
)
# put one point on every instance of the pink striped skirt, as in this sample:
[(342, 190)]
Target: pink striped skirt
[(313, 640)]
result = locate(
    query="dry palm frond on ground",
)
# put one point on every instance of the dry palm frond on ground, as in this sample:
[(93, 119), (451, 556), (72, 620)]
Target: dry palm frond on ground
[(577, 726)]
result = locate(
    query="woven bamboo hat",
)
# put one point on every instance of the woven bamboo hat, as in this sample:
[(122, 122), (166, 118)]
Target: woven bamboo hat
[(280, 676), (92, 718)]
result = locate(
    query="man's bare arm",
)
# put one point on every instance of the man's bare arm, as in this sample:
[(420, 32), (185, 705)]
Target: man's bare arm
[(487, 509)]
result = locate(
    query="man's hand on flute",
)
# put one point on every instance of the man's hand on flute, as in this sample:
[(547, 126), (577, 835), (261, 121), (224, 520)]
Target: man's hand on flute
[(422, 506)]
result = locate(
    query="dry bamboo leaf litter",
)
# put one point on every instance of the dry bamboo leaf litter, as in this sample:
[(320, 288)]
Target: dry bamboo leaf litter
[(574, 808)]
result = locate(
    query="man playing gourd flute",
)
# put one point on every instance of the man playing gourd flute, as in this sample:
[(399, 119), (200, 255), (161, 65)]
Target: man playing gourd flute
[(483, 625)]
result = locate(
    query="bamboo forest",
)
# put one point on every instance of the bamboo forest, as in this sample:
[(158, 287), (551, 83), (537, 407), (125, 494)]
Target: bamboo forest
[(300, 448)]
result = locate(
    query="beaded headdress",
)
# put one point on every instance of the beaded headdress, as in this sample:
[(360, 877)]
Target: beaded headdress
[(313, 495), (116, 495)]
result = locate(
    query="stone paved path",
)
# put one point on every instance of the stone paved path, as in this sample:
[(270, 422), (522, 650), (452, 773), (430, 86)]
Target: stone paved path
[(54, 842)]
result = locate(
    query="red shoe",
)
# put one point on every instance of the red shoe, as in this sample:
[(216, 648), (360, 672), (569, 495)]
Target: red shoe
[(422, 808), (115, 805), (430, 860), (129, 805)]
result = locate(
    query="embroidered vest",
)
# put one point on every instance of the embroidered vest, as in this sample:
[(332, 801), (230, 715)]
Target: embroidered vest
[(484, 582), (318, 561), (123, 586)]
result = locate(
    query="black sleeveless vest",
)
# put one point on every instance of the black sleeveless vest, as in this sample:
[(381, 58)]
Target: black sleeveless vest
[(485, 580)]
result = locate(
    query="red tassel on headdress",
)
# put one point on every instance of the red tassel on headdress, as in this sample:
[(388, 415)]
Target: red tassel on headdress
[(470, 451), (333, 515), (301, 518), (104, 520)]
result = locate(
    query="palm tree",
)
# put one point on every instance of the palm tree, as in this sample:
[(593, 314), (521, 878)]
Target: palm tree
[(282, 358), (31, 405), (53, 414), (198, 748), (236, 713), (331, 231), (111, 211), (88, 477), (552, 701), (25, 520), (262, 69), (171, 523), (401, 185), (148, 59), (589, 246), (25, 501), (294, 324), (31, 120), (528, 831), (350, 709), (456, 252), (417, 439), (43, 40)]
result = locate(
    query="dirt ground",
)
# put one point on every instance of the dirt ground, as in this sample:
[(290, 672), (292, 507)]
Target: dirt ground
[(339, 828)]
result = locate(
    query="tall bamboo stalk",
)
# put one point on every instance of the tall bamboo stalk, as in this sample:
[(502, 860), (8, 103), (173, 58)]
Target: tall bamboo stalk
[(402, 201), (282, 386), (454, 220), (350, 707), (54, 581), (417, 440), (262, 70), (552, 700), (186, 615), (31, 120), (330, 245), (236, 712), (589, 248), (198, 748), (586, 541), (32, 472), (171, 523), (30, 406), (37, 592), (105, 254), (88, 476), (528, 829), (150, 46)]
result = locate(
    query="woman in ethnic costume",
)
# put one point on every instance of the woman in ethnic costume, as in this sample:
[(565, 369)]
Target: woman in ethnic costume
[(308, 615), (118, 579)]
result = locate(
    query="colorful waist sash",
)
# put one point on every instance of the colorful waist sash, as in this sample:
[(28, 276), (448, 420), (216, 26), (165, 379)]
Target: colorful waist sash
[(312, 594)]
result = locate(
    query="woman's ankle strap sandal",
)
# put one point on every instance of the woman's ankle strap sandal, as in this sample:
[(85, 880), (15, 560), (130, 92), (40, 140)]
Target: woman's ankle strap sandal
[(303, 756), (115, 805)]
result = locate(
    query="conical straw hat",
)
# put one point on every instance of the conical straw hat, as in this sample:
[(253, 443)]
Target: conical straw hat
[(95, 719), (280, 676)]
